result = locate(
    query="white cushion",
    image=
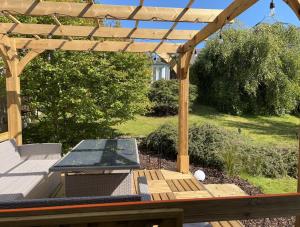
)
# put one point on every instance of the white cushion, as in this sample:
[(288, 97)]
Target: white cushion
[(25, 177), (9, 156)]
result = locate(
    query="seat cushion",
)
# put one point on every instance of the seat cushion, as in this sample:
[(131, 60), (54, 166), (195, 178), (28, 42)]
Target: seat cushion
[(24, 177), (9, 156)]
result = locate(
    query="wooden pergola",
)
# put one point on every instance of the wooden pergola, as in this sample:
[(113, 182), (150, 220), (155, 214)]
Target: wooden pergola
[(14, 37)]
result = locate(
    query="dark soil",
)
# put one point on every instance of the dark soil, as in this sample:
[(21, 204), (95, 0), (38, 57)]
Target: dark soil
[(214, 176)]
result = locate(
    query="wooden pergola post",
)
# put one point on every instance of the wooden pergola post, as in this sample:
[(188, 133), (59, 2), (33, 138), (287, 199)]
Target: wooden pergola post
[(13, 94), (14, 67), (183, 129)]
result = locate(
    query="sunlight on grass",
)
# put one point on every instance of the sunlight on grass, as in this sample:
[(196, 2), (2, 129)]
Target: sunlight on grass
[(272, 186), (261, 130)]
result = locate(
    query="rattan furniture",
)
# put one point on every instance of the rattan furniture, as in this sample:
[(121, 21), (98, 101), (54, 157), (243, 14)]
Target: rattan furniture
[(99, 167)]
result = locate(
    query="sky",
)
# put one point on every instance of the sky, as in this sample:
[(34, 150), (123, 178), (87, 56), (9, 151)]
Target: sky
[(257, 13)]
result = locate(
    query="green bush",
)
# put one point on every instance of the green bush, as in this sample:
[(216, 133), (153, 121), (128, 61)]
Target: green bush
[(211, 146), (163, 140), (290, 158), (269, 161), (164, 97), (206, 143)]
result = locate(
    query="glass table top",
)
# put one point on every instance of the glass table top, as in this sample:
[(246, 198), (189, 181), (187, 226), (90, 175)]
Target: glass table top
[(100, 154)]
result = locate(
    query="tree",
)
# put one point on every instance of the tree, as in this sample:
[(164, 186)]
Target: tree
[(253, 71), (164, 95), (71, 96), (75, 95)]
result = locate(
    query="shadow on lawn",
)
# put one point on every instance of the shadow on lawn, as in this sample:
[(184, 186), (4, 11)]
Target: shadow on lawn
[(259, 125)]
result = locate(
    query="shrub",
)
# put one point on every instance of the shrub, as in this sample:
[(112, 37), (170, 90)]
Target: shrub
[(211, 146), (163, 140), (266, 161), (290, 158), (205, 143), (164, 97)]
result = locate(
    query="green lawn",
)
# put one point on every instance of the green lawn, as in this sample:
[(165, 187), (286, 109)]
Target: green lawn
[(260, 129), (273, 186)]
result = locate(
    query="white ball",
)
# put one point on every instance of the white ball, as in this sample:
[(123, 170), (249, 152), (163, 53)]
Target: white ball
[(200, 175)]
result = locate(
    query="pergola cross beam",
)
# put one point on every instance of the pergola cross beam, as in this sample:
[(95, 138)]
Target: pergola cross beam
[(87, 10), (88, 31)]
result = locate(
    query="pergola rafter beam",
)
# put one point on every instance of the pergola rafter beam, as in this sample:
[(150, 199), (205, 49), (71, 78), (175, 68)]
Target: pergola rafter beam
[(184, 11), (88, 31), (227, 15), (88, 45), (8, 15), (86, 10), (56, 20), (295, 5), (96, 19), (137, 21)]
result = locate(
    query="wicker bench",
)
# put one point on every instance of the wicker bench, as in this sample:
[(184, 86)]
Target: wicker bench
[(24, 170)]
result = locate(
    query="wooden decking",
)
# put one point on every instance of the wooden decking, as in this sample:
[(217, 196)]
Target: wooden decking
[(170, 185)]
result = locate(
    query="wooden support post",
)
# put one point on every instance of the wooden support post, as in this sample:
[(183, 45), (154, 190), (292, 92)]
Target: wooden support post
[(13, 95), (298, 186), (183, 76), (14, 67)]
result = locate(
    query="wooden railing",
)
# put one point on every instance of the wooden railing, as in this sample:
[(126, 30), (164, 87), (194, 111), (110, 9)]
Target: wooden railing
[(161, 213), (4, 136)]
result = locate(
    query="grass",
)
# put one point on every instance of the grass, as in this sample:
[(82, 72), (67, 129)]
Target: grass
[(272, 186), (260, 129)]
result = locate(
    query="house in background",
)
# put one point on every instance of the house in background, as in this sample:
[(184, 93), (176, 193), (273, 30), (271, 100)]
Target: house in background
[(161, 70)]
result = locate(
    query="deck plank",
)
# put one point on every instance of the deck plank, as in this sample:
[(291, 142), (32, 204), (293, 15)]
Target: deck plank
[(164, 196), (215, 224), (158, 186), (225, 224), (184, 185), (172, 186), (141, 173), (135, 182), (198, 184), (156, 196), (159, 175), (148, 176), (171, 195), (190, 183), (236, 224), (153, 175), (178, 185)]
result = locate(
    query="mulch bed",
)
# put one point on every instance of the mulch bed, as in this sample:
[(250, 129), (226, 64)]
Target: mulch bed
[(214, 176)]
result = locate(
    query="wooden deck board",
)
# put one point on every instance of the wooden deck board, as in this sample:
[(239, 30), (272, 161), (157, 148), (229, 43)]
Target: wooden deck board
[(159, 175), (169, 185), (190, 183), (172, 186), (178, 185), (153, 175), (184, 185), (148, 175)]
